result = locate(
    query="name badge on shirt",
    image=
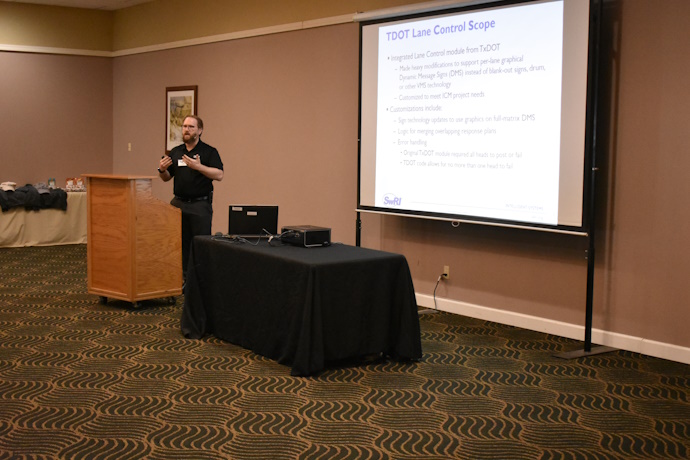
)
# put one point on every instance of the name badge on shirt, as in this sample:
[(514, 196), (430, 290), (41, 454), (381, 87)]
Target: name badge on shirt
[(181, 162)]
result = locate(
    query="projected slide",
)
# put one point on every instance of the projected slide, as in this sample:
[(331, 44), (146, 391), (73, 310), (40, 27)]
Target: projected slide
[(478, 113), (453, 114)]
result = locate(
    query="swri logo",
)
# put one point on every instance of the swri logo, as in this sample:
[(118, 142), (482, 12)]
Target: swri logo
[(391, 200)]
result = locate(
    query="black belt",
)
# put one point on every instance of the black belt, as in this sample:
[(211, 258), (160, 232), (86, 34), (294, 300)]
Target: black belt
[(189, 200)]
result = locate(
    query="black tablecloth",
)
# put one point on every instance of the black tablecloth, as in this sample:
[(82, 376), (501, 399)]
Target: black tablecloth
[(304, 307)]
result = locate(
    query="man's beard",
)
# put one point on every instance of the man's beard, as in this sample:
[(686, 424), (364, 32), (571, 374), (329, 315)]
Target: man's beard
[(187, 138)]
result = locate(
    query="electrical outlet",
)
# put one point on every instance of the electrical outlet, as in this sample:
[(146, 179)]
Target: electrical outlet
[(446, 272)]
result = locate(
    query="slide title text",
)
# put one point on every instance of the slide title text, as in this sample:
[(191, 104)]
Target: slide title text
[(441, 30)]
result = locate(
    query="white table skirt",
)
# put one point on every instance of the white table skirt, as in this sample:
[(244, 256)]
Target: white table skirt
[(46, 227)]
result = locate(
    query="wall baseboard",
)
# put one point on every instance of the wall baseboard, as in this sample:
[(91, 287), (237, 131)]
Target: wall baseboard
[(561, 329)]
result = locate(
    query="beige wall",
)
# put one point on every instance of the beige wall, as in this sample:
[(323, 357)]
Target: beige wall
[(50, 26), (56, 118), (282, 109), (642, 281), (163, 21)]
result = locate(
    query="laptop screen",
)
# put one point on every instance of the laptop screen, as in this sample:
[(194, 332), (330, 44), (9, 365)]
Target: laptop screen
[(252, 220)]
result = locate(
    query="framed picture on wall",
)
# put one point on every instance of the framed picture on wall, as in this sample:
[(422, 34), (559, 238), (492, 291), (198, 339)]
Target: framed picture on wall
[(180, 101)]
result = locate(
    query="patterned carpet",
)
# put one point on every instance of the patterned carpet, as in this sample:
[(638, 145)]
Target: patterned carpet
[(81, 380)]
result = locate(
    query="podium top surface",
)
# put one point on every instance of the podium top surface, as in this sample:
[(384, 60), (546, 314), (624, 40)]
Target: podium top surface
[(118, 176)]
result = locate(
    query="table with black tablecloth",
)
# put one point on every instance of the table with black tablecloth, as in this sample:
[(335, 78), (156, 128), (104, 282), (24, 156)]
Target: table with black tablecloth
[(304, 307)]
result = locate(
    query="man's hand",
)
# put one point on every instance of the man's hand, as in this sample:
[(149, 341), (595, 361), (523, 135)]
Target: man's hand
[(165, 163), (193, 162)]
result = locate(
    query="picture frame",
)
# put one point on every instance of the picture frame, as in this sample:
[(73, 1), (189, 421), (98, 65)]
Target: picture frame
[(180, 102)]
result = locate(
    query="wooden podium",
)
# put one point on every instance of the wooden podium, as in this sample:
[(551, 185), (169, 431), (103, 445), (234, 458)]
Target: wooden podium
[(134, 243)]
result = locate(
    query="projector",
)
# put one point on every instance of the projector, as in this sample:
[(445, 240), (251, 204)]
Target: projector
[(306, 235)]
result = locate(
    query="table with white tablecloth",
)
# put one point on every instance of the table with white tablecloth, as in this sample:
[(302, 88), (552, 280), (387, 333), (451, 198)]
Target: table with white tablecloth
[(45, 227)]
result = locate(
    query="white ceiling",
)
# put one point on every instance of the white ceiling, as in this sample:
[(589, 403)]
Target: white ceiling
[(90, 4)]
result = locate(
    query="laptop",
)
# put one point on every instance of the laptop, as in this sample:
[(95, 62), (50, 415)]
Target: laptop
[(252, 221)]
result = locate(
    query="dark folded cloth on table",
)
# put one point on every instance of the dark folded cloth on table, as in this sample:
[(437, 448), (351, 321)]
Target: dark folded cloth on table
[(31, 199)]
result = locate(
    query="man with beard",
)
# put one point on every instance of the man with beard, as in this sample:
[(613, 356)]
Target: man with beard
[(194, 165)]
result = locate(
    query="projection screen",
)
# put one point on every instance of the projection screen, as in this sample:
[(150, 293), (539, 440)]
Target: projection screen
[(478, 113)]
